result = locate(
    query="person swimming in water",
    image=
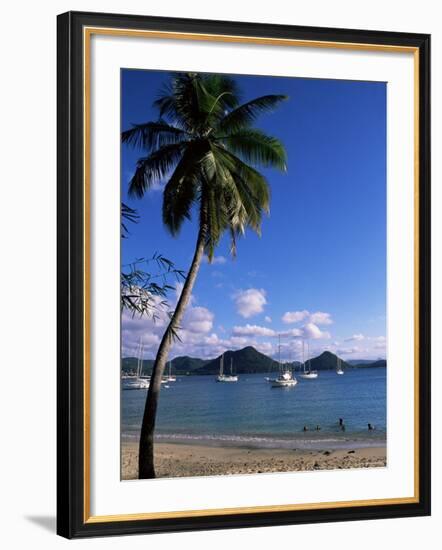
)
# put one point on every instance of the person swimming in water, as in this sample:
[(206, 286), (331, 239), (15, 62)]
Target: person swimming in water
[(341, 421), (370, 427)]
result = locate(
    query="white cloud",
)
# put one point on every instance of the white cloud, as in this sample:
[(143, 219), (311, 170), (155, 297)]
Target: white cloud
[(198, 320), (295, 332), (321, 318), (317, 318), (198, 340), (145, 329), (294, 316), (348, 351), (216, 260), (195, 326), (291, 350), (380, 346), (355, 338), (250, 302), (367, 347), (379, 342), (265, 347), (252, 330), (313, 332), (211, 345), (309, 331), (132, 338)]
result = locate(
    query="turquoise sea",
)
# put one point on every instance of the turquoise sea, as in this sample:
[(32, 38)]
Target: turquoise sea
[(250, 413)]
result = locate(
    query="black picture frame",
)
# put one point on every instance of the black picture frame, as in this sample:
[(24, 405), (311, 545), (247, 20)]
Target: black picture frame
[(71, 519)]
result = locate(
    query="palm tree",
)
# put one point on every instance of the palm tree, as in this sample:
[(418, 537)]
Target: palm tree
[(205, 148)]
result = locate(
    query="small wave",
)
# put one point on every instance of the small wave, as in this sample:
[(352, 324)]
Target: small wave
[(272, 442)]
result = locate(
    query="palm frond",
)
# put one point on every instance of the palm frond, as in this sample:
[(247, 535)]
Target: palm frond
[(189, 101), (213, 195), (181, 190), (155, 168), (127, 214), (244, 115), (236, 194), (219, 84), (153, 135), (205, 145), (258, 148), (192, 100), (254, 181)]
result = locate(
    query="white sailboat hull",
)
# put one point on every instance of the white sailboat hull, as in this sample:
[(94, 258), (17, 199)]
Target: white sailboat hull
[(135, 384), (309, 375), (226, 378), (285, 379), (281, 383)]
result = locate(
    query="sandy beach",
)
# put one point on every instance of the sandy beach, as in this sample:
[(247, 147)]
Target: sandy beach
[(182, 460)]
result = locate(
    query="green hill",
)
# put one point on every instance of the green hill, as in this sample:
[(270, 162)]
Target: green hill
[(187, 365), (246, 360), (129, 365), (371, 365), (180, 365), (327, 361)]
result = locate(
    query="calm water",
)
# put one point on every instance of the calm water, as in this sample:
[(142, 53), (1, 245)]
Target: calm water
[(196, 409)]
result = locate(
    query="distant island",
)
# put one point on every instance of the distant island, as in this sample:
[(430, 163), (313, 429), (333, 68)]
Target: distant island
[(246, 361)]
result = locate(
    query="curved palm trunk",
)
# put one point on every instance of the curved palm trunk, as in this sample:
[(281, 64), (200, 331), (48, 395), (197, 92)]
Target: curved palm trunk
[(146, 466)]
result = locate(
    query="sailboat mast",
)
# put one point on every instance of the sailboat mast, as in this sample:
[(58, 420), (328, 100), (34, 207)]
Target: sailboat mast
[(303, 355), (279, 351), (140, 360), (138, 356), (338, 361), (221, 365)]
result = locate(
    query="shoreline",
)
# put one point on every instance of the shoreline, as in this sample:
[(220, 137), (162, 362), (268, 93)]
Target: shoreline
[(189, 460)]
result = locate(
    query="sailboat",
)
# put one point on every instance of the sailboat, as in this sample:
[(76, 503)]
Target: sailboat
[(226, 377), (137, 382), (169, 377), (307, 373), (285, 377), (338, 366)]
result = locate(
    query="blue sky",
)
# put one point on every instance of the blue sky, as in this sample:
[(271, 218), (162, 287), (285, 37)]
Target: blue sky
[(318, 272)]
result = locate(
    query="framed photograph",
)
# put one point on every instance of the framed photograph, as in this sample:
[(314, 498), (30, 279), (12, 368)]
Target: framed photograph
[(243, 274)]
